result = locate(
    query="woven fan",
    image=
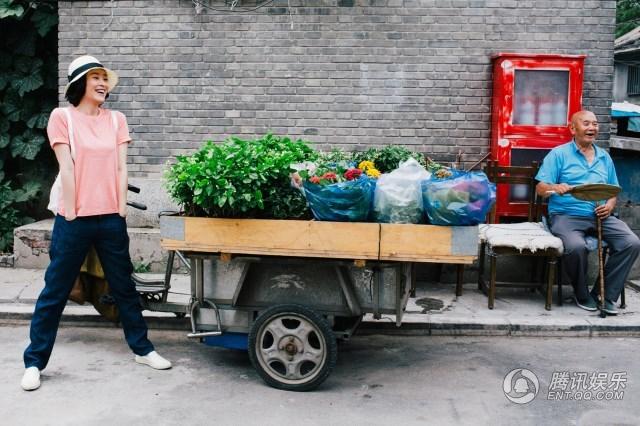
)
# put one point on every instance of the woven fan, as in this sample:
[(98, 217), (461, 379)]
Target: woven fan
[(594, 191)]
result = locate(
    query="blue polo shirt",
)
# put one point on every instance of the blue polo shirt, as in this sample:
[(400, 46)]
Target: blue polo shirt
[(565, 164)]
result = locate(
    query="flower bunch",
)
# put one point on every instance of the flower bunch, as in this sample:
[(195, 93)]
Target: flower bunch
[(329, 171), (352, 174), (325, 173), (369, 168), (438, 170), (326, 178)]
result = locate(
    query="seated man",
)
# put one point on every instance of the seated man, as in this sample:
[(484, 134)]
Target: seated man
[(578, 162)]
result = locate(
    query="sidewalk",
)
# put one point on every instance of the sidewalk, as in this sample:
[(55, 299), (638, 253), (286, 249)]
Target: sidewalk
[(434, 311)]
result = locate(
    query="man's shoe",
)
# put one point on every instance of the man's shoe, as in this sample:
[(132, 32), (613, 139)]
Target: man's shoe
[(153, 360), (31, 379), (610, 307), (587, 305)]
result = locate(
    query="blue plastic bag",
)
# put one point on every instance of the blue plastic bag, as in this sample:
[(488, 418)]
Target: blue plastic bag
[(464, 198), (341, 202)]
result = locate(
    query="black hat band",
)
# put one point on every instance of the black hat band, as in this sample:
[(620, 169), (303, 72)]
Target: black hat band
[(83, 68)]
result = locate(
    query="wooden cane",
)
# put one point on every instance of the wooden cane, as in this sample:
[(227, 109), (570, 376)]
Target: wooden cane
[(600, 265), (596, 192)]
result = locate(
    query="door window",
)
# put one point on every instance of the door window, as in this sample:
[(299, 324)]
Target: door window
[(541, 98)]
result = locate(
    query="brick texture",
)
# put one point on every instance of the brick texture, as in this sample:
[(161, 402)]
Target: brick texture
[(339, 73)]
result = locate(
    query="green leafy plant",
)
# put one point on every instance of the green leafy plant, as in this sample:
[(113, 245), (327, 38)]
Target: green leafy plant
[(141, 267), (28, 83), (281, 201), (336, 155), (437, 169), (240, 178), (627, 16), (388, 158), (10, 216)]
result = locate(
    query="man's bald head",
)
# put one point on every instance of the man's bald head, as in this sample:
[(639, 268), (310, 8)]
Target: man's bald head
[(581, 115), (584, 127)]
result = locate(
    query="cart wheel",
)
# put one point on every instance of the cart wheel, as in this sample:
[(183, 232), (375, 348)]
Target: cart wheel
[(180, 314), (292, 348)]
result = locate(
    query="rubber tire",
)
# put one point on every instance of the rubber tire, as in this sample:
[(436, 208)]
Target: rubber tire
[(323, 326)]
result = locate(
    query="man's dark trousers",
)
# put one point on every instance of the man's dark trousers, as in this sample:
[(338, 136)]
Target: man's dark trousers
[(624, 247)]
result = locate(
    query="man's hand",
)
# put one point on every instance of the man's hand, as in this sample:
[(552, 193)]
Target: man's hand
[(603, 211), (545, 190), (561, 188)]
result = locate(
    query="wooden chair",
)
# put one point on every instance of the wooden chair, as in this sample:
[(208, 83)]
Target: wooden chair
[(518, 239)]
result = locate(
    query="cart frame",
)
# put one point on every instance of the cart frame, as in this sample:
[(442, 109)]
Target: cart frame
[(339, 272)]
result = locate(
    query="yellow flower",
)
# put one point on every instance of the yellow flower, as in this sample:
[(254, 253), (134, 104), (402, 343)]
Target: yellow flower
[(366, 165), (374, 173)]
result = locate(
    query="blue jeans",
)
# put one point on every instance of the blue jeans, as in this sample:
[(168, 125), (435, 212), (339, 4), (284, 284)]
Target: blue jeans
[(70, 243)]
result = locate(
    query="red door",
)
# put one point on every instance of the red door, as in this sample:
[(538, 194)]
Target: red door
[(534, 97)]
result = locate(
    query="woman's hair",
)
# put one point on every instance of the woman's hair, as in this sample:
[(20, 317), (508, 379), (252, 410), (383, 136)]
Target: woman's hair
[(76, 90)]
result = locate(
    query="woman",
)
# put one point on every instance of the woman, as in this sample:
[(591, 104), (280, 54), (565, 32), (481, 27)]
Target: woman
[(91, 149)]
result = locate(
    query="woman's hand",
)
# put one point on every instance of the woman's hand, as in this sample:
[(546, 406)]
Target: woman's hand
[(69, 217), (122, 211)]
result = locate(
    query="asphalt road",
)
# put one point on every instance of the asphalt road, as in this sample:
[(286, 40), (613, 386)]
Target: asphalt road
[(379, 380)]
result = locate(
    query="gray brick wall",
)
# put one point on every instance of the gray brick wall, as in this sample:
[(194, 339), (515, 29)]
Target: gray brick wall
[(346, 73)]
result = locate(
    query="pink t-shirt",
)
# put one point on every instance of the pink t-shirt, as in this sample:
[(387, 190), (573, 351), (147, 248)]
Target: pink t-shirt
[(96, 157)]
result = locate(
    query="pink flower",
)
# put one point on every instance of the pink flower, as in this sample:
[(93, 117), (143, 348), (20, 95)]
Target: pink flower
[(329, 176), (314, 179)]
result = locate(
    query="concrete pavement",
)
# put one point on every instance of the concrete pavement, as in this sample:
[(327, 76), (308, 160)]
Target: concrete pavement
[(434, 311), (378, 380)]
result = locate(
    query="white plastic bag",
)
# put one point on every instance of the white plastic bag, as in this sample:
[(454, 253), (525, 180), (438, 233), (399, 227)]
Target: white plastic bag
[(398, 195), (56, 188), (54, 195)]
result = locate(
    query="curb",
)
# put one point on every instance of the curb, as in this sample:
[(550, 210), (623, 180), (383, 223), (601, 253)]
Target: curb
[(97, 321), (511, 330), (633, 284), (372, 327), (7, 260)]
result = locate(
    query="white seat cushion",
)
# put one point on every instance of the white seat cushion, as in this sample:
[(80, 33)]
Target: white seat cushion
[(520, 236)]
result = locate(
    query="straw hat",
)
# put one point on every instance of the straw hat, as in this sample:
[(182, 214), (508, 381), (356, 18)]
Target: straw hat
[(82, 65)]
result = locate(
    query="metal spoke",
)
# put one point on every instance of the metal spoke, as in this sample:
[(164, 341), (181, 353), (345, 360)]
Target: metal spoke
[(303, 330), (271, 353), (275, 355), (277, 329), (312, 355), (293, 370)]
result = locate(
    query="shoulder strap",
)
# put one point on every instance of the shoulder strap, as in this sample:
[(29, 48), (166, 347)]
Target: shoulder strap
[(114, 120), (70, 129)]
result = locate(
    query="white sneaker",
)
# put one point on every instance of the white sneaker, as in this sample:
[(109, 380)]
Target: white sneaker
[(31, 379), (153, 360)]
